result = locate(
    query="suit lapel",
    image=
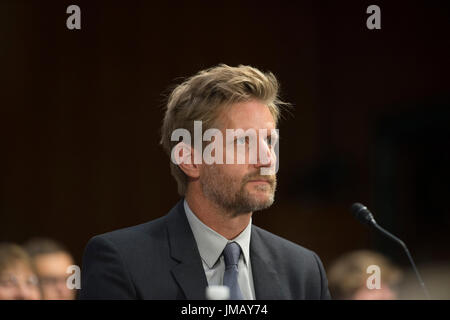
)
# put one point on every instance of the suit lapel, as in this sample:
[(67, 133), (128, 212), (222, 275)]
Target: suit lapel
[(189, 272), (265, 277)]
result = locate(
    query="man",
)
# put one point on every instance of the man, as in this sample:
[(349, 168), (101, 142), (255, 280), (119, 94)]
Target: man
[(208, 237), (51, 260), (18, 280)]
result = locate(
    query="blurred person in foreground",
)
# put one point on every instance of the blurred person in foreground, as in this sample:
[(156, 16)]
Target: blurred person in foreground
[(208, 238), (348, 276), (51, 260), (18, 280)]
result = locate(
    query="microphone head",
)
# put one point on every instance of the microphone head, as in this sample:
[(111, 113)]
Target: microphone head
[(362, 214), (217, 293)]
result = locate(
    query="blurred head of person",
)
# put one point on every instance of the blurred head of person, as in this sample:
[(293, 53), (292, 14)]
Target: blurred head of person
[(51, 260), (348, 276), (18, 280)]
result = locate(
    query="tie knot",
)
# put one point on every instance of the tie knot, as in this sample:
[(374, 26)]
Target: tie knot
[(231, 254)]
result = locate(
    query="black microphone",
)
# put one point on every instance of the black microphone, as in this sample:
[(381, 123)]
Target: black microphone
[(363, 215)]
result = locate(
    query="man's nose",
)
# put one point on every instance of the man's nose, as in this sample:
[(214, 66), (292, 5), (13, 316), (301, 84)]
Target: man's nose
[(265, 155), (21, 292)]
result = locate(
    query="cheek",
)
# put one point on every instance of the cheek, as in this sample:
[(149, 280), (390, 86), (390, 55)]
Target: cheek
[(6, 293), (233, 172)]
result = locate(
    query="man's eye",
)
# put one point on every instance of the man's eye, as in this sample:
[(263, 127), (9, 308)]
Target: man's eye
[(270, 142), (241, 140), (33, 281), (8, 282)]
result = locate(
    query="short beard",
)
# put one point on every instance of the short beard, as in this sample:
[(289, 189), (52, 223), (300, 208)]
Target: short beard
[(231, 195)]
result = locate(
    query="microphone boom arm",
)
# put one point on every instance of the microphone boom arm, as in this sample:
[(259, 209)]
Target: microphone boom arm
[(416, 271)]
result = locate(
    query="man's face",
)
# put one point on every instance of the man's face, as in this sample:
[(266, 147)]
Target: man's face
[(241, 188), (51, 269), (18, 282)]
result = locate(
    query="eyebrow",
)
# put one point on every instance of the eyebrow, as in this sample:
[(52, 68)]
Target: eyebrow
[(269, 134)]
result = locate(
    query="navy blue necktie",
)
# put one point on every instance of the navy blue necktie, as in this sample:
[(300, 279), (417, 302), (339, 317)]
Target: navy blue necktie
[(231, 254)]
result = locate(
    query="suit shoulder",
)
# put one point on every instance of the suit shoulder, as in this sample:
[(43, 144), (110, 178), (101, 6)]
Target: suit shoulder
[(134, 236), (281, 245)]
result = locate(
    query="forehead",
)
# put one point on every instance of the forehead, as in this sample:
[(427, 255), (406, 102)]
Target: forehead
[(248, 114), (53, 261), (17, 269)]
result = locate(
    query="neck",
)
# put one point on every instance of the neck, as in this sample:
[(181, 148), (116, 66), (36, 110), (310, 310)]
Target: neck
[(223, 222)]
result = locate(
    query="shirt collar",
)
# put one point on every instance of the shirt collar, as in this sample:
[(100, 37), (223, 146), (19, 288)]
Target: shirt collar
[(210, 243)]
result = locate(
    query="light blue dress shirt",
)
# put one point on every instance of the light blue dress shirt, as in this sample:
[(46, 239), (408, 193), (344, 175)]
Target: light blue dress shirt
[(210, 246)]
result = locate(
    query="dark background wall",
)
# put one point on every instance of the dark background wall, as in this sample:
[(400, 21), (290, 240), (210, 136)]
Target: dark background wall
[(80, 113)]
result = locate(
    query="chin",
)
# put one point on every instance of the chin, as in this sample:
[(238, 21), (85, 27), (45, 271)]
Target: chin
[(261, 199)]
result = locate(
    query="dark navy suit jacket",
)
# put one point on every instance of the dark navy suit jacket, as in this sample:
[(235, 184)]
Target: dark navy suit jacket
[(160, 260)]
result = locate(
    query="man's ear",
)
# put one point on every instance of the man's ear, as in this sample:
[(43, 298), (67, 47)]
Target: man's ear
[(183, 156)]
